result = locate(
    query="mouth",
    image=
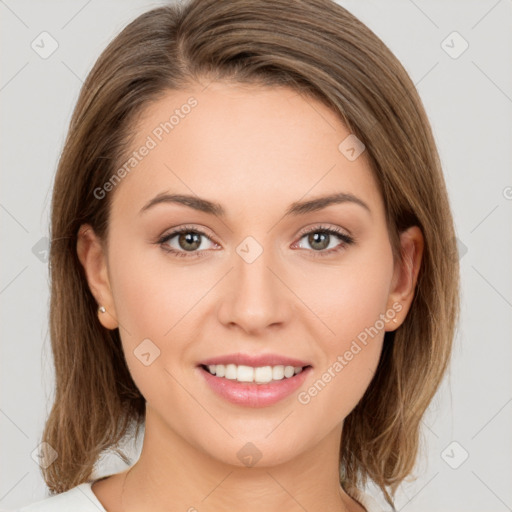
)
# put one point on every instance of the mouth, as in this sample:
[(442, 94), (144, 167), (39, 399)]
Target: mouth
[(254, 386), (254, 375)]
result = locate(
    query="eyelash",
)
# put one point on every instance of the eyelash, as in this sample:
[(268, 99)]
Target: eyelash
[(345, 241)]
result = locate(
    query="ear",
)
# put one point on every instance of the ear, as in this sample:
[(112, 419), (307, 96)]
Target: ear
[(405, 275), (93, 258)]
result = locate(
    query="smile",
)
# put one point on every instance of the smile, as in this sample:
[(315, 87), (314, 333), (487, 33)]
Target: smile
[(259, 375)]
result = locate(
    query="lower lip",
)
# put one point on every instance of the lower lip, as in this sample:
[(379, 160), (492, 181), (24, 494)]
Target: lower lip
[(250, 394)]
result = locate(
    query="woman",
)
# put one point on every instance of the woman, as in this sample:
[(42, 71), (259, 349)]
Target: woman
[(252, 258)]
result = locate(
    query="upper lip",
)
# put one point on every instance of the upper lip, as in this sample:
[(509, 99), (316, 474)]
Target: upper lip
[(255, 360)]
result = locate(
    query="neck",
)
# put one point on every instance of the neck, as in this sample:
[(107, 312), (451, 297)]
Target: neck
[(171, 474)]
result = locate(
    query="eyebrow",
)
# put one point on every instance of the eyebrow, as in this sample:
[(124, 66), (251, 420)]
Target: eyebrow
[(295, 209)]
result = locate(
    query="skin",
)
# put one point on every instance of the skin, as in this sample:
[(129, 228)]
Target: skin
[(255, 151)]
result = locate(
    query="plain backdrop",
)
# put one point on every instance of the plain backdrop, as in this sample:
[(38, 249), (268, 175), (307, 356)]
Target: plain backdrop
[(465, 462)]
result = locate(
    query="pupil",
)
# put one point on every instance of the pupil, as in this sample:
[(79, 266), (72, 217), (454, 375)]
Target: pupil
[(190, 239), (320, 238)]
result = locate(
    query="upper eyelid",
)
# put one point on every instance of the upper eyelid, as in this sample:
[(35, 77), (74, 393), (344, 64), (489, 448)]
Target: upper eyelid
[(323, 227)]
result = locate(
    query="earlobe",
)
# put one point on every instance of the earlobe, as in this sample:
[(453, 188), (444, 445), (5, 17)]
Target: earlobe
[(92, 256), (405, 275)]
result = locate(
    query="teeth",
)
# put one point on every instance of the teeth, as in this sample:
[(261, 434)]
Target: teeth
[(260, 375)]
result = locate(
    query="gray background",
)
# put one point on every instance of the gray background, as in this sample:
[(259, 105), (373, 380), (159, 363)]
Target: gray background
[(469, 102)]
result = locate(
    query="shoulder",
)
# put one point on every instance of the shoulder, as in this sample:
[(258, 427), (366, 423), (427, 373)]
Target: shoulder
[(80, 498)]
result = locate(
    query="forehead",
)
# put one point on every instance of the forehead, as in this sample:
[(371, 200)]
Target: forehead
[(238, 141)]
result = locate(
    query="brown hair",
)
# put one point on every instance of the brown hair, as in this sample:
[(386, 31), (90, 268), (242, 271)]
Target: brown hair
[(319, 49)]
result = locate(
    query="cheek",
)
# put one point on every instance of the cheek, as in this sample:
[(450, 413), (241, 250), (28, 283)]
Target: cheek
[(353, 310), (146, 307), (148, 304), (360, 300), (351, 296), (349, 360), (155, 300), (337, 387), (150, 292)]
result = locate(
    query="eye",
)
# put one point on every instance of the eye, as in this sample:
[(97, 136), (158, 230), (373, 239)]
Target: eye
[(187, 244), (320, 238), (189, 241)]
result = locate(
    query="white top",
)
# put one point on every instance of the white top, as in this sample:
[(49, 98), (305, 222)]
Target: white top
[(82, 499)]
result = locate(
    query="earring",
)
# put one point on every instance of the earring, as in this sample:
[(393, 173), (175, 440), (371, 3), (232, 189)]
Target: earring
[(102, 309), (395, 320)]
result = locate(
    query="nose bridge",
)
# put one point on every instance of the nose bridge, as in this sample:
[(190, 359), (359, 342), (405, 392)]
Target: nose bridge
[(254, 297)]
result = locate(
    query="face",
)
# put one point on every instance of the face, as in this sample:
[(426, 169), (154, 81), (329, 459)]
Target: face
[(316, 284)]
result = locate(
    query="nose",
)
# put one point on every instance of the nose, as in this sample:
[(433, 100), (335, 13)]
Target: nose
[(253, 296)]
